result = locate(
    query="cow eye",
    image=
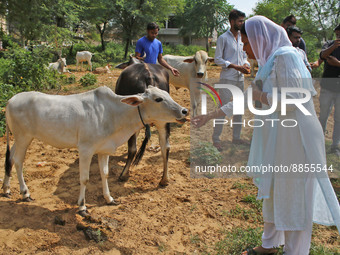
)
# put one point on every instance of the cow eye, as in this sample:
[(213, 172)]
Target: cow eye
[(159, 99)]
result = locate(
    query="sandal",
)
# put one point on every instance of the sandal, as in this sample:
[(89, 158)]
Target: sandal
[(218, 146), (251, 251)]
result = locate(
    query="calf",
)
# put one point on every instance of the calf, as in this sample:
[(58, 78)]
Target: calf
[(100, 70), (95, 122), (191, 68), (59, 66), (84, 56)]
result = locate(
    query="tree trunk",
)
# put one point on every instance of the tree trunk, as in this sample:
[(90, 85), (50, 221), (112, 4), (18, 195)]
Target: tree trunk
[(127, 44), (103, 42), (101, 32), (207, 43)]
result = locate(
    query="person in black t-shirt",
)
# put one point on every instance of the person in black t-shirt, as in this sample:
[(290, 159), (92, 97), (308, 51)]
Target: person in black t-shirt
[(330, 88)]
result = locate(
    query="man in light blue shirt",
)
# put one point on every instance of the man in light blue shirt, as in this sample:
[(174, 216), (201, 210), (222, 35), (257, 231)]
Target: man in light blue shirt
[(230, 55), (153, 49)]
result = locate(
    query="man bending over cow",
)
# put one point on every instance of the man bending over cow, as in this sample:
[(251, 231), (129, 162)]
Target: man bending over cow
[(153, 49)]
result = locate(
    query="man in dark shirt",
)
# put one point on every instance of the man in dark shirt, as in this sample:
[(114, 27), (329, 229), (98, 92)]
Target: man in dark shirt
[(330, 88), (291, 21)]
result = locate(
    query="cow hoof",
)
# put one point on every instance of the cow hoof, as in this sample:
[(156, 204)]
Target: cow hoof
[(113, 202), (84, 213), (28, 199), (164, 183), (8, 195), (123, 178)]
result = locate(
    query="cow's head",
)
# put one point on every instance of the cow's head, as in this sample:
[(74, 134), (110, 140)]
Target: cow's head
[(133, 60), (62, 61), (157, 106), (200, 60)]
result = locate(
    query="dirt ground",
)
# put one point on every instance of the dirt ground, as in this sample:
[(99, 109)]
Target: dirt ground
[(186, 217)]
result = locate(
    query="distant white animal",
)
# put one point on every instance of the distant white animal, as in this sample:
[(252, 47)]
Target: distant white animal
[(59, 66), (95, 122), (84, 56), (191, 68), (105, 69)]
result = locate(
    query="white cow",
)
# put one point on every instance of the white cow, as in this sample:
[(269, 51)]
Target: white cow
[(59, 66), (191, 68), (84, 56), (95, 122)]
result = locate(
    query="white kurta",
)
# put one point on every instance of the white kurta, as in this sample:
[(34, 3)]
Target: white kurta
[(291, 200)]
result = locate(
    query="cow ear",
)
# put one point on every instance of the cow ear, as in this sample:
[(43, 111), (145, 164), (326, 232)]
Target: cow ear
[(210, 59), (188, 60), (122, 65), (132, 100)]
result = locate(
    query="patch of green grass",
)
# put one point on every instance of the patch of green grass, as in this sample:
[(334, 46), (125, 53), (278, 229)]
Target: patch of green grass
[(322, 250), (243, 186), (250, 215), (195, 239), (193, 207), (237, 240), (162, 247), (205, 154), (251, 199)]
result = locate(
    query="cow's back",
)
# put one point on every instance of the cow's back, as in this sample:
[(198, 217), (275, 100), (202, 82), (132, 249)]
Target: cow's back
[(55, 119), (135, 79)]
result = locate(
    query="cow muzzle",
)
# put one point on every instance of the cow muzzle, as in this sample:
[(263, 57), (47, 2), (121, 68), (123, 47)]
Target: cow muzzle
[(199, 75), (183, 119)]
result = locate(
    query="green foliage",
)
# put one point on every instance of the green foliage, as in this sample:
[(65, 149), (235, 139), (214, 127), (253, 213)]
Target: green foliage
[(26, 70), (182, 50), (201, 17), (255, 203), (316, 18), (238, 240), (205, 154), (88, 79), (132, 16), (6, 91), (249, 215), (68, 80)]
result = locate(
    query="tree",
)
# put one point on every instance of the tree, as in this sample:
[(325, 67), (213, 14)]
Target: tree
[(131, 16), (316, 17), (201, 17), (26, 22), (44, 20), (99, 13)]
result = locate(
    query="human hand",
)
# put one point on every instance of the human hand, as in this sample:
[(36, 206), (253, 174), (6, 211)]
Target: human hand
[(336, 43), (175, 72), (200, 120), (243, 69)]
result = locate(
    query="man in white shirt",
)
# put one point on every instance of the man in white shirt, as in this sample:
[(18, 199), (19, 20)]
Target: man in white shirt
[(230, 55), (294, 35)]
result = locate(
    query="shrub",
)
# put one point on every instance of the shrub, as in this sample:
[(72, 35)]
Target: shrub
[(88, 79), (205, 154), (71, 79), (27, 69), (6, 91)]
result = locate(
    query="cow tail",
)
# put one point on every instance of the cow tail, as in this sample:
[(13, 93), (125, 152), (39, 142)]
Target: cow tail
[(8, 162), (142, 148)]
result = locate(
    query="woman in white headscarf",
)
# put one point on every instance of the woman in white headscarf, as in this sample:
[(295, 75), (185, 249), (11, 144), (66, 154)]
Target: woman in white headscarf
[(291, 200)]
